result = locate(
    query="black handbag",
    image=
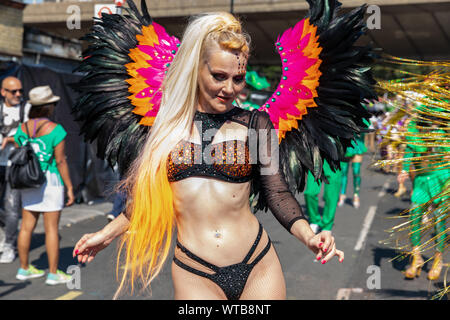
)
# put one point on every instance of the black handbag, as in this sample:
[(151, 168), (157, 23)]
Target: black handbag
[(25, 170)]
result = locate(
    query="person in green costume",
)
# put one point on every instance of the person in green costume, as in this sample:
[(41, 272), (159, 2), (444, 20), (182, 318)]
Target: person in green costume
[(354, 154), (330, 196), (427, 185)]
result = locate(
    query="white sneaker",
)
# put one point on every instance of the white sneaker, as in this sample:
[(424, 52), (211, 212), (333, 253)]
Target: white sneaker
[(57, 278), (314, 227), (341, 201), (356, 203), (8, 254), (30, 273)]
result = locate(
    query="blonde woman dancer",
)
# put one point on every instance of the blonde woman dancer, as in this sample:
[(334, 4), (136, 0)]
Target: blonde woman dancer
[(197, 170)]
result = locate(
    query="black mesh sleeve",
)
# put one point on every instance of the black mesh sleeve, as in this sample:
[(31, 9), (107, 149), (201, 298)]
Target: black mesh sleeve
[(273, 186)]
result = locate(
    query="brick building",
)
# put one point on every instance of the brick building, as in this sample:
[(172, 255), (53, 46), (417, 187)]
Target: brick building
[(31, 44), (11, 29)]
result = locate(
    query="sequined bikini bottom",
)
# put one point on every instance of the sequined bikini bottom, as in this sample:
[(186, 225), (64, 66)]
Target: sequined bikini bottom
[(231, 279)]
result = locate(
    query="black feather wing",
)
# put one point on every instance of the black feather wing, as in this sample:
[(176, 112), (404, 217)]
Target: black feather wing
[(103, 108), (327, 130)]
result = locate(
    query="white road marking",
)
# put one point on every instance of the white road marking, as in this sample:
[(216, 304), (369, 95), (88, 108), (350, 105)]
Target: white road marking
[(369, 218), (366, 227), (382, 193), (344, 293)]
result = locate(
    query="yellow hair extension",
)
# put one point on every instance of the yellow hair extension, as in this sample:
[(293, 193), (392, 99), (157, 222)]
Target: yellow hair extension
[(151, 227)]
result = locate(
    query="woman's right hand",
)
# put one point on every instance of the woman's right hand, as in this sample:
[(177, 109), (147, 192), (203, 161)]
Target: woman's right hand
[(89, 245)]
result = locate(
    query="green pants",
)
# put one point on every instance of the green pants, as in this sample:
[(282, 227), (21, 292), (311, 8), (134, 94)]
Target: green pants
[(416, 226), (425, 188), (330, 196), (356, 168)]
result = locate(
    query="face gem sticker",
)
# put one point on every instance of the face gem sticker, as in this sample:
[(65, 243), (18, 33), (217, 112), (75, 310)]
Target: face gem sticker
[(242, 62)]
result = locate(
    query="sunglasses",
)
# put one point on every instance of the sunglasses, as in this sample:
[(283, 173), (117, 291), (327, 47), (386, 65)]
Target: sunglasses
[(15, 91)]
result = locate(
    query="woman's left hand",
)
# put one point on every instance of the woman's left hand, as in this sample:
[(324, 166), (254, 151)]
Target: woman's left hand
[(323, 245)]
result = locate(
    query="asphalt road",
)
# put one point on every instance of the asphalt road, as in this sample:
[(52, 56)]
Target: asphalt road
[(369, 271)]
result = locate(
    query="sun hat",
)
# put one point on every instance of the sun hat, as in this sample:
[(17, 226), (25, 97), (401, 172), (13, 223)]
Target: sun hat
[(42, 95)]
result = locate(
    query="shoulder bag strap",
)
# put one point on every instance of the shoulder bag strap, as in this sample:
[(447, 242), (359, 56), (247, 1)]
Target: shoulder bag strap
[(34, 134), (34, 129), (51, 158), (40, 127), (26, 129)]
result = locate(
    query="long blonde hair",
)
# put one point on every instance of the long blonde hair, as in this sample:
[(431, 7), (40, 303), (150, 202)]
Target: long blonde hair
[(150, 207)]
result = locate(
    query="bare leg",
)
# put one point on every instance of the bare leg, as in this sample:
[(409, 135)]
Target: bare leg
[(401, 186), (29, 220), (51, 222), (266, 281), (371, 136), (189, 286), (358, 158)]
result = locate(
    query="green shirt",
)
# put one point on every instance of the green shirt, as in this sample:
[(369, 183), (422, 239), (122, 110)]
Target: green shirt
[(44, 147)]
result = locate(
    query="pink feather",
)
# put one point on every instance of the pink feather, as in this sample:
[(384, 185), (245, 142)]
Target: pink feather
[(290, 45), (162, 54)]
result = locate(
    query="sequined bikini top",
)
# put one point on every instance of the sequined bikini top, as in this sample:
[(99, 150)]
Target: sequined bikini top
[(226, 160)]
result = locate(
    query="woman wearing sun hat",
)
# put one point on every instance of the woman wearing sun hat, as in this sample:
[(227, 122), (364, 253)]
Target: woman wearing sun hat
[(47, 140)]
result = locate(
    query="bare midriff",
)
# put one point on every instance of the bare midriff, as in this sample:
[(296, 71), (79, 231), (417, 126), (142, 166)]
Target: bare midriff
[(214, 220)]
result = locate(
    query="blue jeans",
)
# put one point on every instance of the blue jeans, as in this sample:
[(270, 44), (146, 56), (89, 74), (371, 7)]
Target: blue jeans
[(119, 203)]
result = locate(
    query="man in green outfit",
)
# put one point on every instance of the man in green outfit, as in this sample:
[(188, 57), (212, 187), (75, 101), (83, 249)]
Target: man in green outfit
[(330, 196), (428, 183)]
